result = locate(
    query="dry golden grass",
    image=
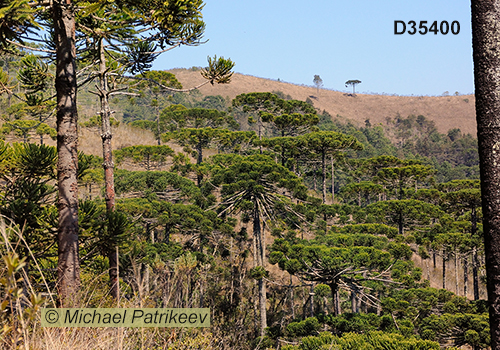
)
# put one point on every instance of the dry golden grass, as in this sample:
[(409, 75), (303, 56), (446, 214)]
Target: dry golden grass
[(435, 276), (447, 112), (123, 136), (20, 323)]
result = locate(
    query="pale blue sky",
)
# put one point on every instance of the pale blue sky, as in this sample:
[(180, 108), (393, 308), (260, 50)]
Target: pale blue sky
[(338, 40)]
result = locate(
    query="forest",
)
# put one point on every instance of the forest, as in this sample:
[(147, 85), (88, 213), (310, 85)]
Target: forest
[(297, 230)]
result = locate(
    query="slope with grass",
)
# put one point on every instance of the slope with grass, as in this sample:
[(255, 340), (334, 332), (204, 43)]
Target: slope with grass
[(447, 112)]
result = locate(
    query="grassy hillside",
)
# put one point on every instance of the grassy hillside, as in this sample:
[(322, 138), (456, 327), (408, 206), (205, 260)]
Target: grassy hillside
[(447, 112)]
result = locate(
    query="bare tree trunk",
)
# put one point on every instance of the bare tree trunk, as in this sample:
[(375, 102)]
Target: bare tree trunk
[(323, 176), (335, 298), (68, 265), (292, 304), (466, 273), (475, 273), (354, 300), (311, 300), (199, 160), (428, 269), (485, 39), (444, 269), (260, 245), (400, 224), (157, 112), (333, 182), (108, 164)]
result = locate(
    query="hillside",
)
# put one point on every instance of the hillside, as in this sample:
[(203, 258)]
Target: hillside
[(447, 112)]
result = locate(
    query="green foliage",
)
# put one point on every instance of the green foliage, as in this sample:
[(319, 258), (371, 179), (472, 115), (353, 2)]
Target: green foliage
[(6, 84), (236, 141), (404, 214), (372, 229), (147, 156), (257, 177), (219, 70), (24, 129), (96, 122), (15, 320), (203, 227), (154, 77), (102, 230), (364, 192), (194, 118), (34, 74), (286, 117), (323, 143), (258, 272), (18, 17), (330, 264), (309, 326), (27, 195), (368, 341), (195, 138), (187, 235), (156, 184)]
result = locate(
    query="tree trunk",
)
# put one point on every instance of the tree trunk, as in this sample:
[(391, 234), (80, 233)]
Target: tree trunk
[(323, 176), (260, 246), (333, 182), (199, 151), (475, 273), (444, 270), (292, 296), (466, 273), (485, 39), (335, 298), (428, 269), (157, 111), (456, 273), (68, 265), (400, 224), (41, 134), (354, 300), (108, 165), (311, 300)]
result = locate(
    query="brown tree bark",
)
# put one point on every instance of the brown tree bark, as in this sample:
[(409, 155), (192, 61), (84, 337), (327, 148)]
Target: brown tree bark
[(485, 44), (466, 274), (108, 165), (445, 258), (475, 273), (334, 287), (323, 176), (261, 283), (68, 266)]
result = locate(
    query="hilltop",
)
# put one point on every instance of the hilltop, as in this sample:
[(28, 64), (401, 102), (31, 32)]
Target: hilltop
[(447, 112)]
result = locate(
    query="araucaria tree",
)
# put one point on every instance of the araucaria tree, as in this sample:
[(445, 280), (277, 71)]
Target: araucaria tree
[(120, 38), (113, 38), (318, 82), (251, 186), (485, 39), (353, 83), (21, 22), (322, 144)]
